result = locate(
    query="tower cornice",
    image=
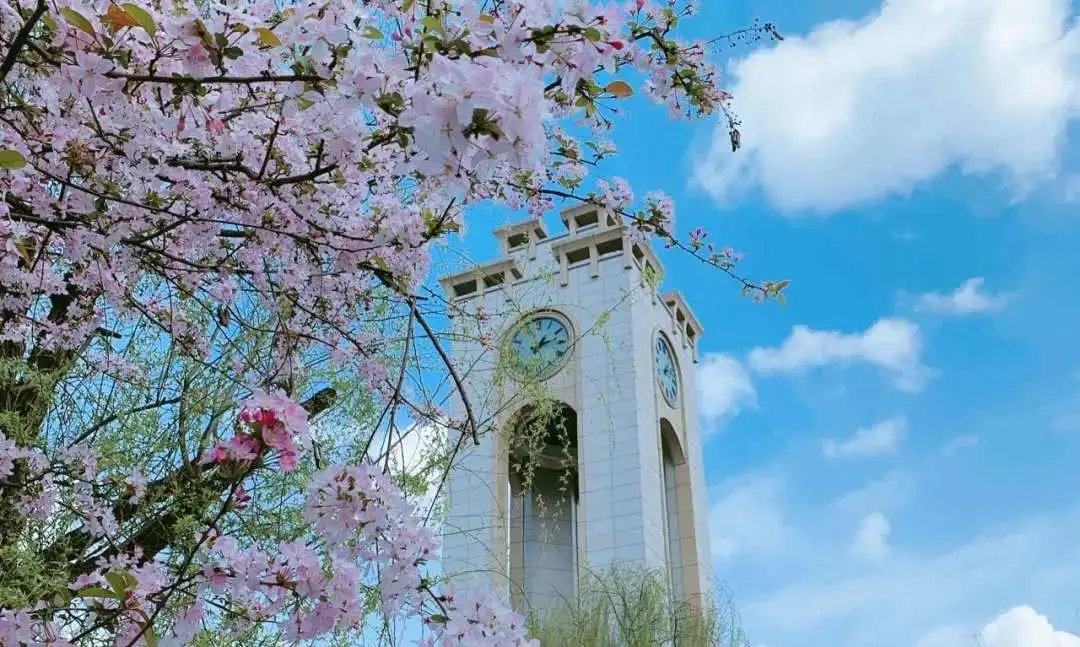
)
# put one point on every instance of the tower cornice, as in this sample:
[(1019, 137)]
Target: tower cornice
[(475, 281)]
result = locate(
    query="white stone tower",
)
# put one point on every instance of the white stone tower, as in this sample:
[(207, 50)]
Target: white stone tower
[(581, 312)]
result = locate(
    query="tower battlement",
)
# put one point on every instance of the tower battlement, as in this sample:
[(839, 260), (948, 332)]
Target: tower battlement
[(527, 250)]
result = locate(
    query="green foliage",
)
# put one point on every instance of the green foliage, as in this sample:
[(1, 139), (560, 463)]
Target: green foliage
[(157, 411), (624, 606)]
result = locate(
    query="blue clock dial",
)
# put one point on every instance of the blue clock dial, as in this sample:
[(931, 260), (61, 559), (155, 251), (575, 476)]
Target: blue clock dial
[(666, 374), (540, 345)]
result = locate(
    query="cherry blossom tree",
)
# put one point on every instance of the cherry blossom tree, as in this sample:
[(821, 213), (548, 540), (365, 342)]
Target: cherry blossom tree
[(250, 191)]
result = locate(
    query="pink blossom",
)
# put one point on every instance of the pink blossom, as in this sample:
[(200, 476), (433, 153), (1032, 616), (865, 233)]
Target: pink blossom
[(241, 498), (279, 210), (218, 454), (197, 55), (244, 447), (136, 482)]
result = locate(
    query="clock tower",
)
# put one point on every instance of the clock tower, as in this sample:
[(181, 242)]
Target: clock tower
[(575, 321)]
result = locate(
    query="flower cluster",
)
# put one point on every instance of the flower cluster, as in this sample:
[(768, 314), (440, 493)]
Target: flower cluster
[(72, 477), (479, 620), (241, 148), (364, 534), (274, 422), (210, 170)]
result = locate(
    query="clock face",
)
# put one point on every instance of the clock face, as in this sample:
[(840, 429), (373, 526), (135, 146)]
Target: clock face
[(666, 375), (540, 346)]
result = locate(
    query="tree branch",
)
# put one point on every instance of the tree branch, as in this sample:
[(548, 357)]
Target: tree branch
[(181, 80), (310, 175), (20, 40)]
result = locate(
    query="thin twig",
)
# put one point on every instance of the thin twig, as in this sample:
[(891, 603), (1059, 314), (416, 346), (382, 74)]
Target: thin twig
[(458, 383)]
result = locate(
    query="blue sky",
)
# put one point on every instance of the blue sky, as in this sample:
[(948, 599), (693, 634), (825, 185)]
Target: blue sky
[(892, 454), (900, 471)]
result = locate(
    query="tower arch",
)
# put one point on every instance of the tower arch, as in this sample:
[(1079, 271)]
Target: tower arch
[(542, 469), (679, 536)]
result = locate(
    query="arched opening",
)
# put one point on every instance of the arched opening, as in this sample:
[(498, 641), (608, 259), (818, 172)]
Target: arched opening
[(673, 464), (543, 482)]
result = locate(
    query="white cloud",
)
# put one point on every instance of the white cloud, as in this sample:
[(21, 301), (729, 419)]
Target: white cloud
[(949, 636), (1066, 421), (890, 491), (907, 595), (723, 389), (882, 437), (1023, 627), (871, 542), (964, 300), (413, 450), (856, 111), (964, 441), (893, 345), (1018, 627), (1064, 406), (748, 519)]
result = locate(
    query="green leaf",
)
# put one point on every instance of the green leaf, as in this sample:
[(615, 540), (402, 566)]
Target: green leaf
[(407, 6), (118, 582), (593, 34), (12, 160), (77, 19), (431, 23), (141, 16), (233, 52), (619, 89), (221, 41), (124, 58), (267, 38), (438, 619), (96, 592), (372, 33)]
